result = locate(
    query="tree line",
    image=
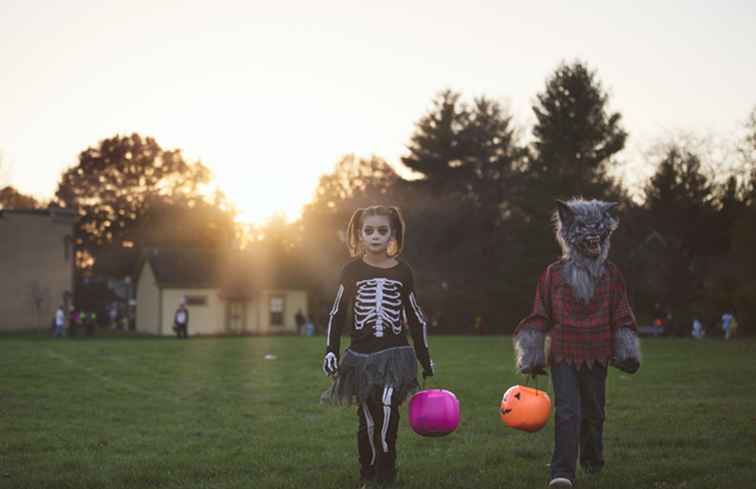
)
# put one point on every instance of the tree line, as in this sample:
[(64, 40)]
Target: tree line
[(479, 209)]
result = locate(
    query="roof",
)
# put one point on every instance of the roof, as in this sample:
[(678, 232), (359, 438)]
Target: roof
[(54, 212), (186, 268), (238, 275)]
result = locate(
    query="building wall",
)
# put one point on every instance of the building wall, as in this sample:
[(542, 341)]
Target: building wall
[(211, 318), (293, 301), (203, 319), (253, 317), (37, 266), (148, 302)]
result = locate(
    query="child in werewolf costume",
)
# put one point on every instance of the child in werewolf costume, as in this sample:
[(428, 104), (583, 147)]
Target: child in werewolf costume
[(581, 302)]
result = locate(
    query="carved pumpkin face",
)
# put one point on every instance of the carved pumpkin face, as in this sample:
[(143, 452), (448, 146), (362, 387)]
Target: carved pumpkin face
[(525, 408)]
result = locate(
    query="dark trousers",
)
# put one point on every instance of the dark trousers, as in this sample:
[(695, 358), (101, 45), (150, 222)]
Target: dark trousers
[(182, 330), (580, 397), (376, 437)]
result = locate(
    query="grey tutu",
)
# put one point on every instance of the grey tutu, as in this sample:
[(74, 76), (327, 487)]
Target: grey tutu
[(363, 376)]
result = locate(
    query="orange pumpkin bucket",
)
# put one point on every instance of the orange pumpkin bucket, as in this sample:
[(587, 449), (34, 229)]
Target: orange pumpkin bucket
[(525, 408)]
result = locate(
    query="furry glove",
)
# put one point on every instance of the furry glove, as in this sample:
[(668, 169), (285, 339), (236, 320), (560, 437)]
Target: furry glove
[(529, 351), (626, 350)]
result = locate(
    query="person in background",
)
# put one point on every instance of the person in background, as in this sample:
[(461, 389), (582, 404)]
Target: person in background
[(181, 320), (60, 322), (309, 327), (698, 331), (300, 320), (727, 319)]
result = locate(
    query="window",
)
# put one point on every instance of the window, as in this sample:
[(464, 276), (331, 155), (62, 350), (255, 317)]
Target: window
[(196, 300), (277, 310)]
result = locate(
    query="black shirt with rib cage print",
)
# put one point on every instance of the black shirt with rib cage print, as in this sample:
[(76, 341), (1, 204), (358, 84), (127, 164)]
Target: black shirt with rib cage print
[(381, 301)]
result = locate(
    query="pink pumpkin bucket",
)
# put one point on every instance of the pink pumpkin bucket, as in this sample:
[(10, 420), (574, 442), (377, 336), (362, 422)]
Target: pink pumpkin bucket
[(433, 412)]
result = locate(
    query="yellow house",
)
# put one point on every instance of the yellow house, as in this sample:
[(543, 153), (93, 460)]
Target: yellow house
[(225, 294)]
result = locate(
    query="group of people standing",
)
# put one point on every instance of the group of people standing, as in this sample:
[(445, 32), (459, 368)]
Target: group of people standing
[(76, 319)]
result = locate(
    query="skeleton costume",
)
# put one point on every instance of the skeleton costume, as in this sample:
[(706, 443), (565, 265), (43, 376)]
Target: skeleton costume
[(582, 304), (378, 371)]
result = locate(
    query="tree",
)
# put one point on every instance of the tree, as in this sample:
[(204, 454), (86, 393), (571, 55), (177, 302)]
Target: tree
[(352, 178), (491, 153), (116, 182), (10, 198), (436, 150), (680, 201), (468, 150), (575, 136)]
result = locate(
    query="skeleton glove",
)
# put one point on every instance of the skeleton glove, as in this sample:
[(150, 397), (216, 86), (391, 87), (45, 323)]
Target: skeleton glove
[(428, 370), (626, 350), (529, 345), (330, 364)]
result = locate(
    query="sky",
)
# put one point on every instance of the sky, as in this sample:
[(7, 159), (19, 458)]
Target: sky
[(270, 95)]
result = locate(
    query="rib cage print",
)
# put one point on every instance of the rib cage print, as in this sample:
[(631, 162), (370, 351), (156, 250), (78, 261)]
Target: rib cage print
[(378, 305)]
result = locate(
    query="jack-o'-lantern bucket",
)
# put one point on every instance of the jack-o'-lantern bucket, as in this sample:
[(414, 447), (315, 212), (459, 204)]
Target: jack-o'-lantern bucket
[(525, 408)]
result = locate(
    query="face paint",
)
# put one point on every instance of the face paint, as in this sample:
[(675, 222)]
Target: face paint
[(376, 233)]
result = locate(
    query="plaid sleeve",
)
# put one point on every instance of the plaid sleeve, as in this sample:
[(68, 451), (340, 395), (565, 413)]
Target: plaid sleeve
[(622, 311), (540, 317)]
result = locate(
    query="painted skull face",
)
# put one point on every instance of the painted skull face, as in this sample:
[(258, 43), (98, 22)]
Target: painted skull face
[(376, 233), (586, 226)]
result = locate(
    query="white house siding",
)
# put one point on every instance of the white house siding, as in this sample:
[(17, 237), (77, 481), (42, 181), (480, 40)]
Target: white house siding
[(253, 317), (148, 302), (203, 320), (293, 301)]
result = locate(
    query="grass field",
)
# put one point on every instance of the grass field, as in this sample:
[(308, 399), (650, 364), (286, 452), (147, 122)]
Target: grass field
[(214, 413)]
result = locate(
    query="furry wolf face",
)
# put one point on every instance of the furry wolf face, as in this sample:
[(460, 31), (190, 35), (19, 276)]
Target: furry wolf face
[(584, 227)]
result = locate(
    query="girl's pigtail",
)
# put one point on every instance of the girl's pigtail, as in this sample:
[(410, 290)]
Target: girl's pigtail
[(353, 229), (397, 222)]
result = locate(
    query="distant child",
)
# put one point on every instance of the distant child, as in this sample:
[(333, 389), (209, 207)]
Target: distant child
[(378, 371), (698, 330), (60, 322), (181, 320), (581, 302), (729, 325)]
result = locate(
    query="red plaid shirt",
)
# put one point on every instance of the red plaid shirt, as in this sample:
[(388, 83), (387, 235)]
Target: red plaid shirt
[(580, 331)]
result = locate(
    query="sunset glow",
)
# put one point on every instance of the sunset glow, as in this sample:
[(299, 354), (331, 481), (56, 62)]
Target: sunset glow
[(271, 96)]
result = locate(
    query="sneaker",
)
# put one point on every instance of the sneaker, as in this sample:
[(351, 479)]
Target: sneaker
[(560, 483)]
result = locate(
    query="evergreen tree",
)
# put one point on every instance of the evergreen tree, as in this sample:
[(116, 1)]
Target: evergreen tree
[(681, 199), (436, 149), (463, 149), (680, 202), (575, 136)]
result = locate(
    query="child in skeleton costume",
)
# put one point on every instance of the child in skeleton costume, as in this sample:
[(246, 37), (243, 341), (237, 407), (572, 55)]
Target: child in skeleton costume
[(581, 302), (378, 371)]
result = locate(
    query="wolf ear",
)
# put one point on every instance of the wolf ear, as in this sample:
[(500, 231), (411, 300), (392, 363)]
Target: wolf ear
[(566, 216)]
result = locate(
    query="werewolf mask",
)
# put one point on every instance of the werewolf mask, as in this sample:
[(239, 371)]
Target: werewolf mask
[(583, 230)]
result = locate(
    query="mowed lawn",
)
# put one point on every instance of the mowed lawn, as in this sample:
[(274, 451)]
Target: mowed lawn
[(215, 413)]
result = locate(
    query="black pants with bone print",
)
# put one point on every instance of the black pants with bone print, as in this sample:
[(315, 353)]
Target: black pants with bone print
[(376, 437)]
